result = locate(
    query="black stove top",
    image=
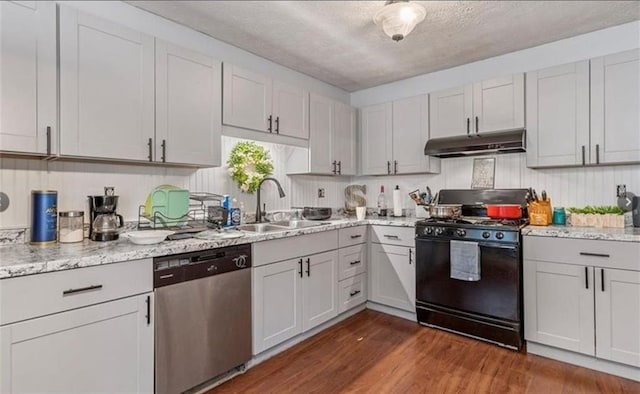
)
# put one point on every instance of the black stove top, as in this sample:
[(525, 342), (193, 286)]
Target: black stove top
[(471, 229), (475, 222)]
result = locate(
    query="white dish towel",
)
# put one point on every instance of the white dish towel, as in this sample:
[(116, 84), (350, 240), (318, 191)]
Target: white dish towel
[(465, 260)]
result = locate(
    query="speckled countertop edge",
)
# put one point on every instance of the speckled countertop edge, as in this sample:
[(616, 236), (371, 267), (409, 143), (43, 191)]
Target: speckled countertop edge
[(23, 259), (627, 234)]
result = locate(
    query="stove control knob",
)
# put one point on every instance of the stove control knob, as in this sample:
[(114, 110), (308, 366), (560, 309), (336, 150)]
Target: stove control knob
[(428, 230), (499, 235), (439, 231), (486, 234), (461, 233)]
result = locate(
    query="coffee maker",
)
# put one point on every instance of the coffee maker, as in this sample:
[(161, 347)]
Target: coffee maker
[(105, 222)]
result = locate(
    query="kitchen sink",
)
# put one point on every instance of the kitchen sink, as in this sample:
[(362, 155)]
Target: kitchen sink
[(298, 223), (262, 227)]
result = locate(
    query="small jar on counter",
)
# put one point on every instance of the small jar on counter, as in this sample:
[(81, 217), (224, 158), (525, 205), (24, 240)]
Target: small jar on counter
[(559, 216), (71, 226)]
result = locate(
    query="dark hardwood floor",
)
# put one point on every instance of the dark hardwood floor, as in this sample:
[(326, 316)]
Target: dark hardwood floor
[(373, 352)]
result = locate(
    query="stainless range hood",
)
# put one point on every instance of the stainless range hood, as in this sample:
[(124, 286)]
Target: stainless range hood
[(509, 141)]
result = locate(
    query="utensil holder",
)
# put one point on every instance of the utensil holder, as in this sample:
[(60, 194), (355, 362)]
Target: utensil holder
[(540, 213)]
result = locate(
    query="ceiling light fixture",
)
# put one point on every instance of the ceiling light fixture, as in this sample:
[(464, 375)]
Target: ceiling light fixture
[(399, 18)]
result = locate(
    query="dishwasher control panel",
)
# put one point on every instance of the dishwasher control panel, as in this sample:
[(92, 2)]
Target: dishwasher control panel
[(168, 270)]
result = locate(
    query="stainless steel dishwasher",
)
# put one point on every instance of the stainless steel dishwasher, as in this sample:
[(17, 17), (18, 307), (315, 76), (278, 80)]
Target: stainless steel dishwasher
[(202, 316)]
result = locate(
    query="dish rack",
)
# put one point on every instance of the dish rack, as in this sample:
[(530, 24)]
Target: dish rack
[(195, 218)]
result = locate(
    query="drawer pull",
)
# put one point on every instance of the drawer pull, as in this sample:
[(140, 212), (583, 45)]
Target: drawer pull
[(354, 262), (392, 237), (594, 254), (356, 236), (586, 277), (148, 315), (602, 279), (81, 290), (354, 293), (166, 276)]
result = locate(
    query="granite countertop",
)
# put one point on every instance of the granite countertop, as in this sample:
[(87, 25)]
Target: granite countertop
[(24, 259), (627, 234)]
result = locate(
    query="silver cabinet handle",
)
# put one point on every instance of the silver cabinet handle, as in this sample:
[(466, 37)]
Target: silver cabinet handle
[(351, 294), (81, 290), (392, 236), (166, 276), (354, 262)]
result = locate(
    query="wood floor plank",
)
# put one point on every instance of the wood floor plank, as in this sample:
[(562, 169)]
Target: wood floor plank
[(372, 352)]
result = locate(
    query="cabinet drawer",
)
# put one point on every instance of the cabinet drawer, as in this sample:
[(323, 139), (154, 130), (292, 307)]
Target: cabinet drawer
[(606, 254), (353, 292), (38, 295), (352, 261), (352, 236), (401, 236), (289, 248)]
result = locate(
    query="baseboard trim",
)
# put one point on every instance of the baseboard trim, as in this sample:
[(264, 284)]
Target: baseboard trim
[(582, 360), (392, 311)]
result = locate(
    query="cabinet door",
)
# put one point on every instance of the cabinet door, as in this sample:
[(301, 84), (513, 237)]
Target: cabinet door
[(393, 276), (320, 289), (106, 88), (451, 112), (618, 315), (498, 104), (290, 110), (188, 96), (558, 305), (105, 348), (558, 115), (320, 135), (246, 99), (344, 138), (410, 134), (615, 105), (27, 76), (277, 303), (376, 124)]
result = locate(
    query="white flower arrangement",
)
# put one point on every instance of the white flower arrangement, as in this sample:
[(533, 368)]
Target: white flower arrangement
[(249, 163)]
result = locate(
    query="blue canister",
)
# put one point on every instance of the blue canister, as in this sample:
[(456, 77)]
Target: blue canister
[(44, 217), (559, 216)]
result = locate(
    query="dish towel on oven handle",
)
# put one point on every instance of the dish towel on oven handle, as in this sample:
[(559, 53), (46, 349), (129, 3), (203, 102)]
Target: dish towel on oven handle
[(465, 260)]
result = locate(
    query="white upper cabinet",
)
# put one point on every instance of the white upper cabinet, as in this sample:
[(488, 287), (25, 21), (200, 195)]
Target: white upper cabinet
[(491, 105), (393, 138), (28, 121), (332, 137), (246, 99), (106, 88), (498, 104), (320, 134), (290, 110), (451, 112), (615, 105), (188, 95), (558, 115), (344, 138), (410, 134), (256, 102), (376, 122)]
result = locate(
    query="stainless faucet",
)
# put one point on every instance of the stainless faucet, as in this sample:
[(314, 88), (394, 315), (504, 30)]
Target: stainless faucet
[(259, 213)]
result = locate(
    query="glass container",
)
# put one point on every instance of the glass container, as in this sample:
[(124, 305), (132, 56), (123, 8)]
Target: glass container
[(71, 226)]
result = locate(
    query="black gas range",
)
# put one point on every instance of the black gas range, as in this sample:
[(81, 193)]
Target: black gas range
[(488, 304)]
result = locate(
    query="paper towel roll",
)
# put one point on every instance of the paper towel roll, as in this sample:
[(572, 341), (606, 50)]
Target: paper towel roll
[(397, 202)]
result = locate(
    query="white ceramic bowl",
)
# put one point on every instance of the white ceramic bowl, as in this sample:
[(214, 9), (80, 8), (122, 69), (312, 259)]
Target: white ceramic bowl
[(147, 237)]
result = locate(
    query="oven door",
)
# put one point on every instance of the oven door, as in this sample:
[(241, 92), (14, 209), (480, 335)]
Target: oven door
[(497, 294)]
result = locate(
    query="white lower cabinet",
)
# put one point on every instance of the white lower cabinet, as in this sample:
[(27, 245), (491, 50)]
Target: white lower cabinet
[(575, 297), (293, 296), (393, 276), (104, 348), (353, 292)]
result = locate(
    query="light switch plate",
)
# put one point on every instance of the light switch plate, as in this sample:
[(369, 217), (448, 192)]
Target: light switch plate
[(321, 192)]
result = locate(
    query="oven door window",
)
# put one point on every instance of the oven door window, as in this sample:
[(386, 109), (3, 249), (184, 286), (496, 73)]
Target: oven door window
[(496, 294)]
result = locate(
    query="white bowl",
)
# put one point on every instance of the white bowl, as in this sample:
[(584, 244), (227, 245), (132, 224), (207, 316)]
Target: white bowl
[(147, 237)]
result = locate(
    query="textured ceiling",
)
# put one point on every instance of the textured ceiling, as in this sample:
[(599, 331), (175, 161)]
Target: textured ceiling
[(337, 41)]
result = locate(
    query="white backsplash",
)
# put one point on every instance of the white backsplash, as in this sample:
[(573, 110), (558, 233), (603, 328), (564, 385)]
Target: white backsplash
[(74, 181)]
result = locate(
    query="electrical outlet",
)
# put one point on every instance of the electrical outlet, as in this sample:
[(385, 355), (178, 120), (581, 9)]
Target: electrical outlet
[(321, 192), (621, 191)]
